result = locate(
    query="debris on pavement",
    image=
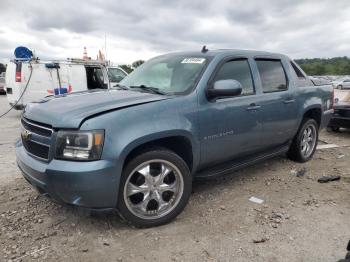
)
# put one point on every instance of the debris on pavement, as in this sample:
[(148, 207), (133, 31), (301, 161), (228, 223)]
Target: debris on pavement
[(301, 172), (260, 240), (276, 218), (326, 179), (326, 146), (34, 254), (256, 200), (340, 156), (298, 173)]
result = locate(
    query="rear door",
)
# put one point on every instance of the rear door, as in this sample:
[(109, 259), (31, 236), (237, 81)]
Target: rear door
[(278, 103), (10, 83), (35, 82), (42, 80)]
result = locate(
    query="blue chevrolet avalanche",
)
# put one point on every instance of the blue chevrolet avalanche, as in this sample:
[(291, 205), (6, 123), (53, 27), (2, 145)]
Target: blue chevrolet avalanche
[(178, 117)]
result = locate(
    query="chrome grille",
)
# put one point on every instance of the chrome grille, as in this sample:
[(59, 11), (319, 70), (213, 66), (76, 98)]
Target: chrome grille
[(36, 138), (40, 129)]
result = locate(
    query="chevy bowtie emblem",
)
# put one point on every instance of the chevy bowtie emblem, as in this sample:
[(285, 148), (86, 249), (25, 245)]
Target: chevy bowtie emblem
[(26, 134)]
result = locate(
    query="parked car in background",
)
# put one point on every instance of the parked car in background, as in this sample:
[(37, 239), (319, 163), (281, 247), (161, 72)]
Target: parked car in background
[(29, 81), (342, 84), (178, 117), (2, 85), (115, 75), (341, 116)]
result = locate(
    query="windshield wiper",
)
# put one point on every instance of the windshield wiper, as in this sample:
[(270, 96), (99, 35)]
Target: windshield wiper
[(150, 88), (120, 87)]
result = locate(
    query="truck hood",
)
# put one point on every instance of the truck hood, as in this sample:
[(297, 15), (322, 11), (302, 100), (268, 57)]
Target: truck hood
[(69, 111)]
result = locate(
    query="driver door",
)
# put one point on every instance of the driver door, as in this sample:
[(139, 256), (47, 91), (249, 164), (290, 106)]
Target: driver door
[(230, 127)]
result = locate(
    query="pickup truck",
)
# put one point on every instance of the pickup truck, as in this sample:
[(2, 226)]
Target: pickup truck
[(178, 117)]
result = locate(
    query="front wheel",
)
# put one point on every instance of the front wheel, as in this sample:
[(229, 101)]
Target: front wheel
[(155, 188), (305, 142)]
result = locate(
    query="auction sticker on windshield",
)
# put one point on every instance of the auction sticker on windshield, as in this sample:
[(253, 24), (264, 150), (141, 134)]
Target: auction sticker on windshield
[(193, 60)]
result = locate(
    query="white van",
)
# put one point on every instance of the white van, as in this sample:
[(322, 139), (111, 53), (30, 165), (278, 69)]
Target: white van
[(37, 78)]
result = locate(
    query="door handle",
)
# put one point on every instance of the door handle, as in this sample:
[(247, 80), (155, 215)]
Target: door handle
[(289, 101), (253, 107)]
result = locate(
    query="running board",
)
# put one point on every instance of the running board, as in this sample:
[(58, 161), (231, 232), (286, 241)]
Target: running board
[(233, 166)]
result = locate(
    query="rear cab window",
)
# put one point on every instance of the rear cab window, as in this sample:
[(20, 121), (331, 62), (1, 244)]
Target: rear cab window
[(272, 75), (237, 69)]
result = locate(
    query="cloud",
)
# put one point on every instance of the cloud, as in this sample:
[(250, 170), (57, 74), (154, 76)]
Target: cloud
[(142, 29)]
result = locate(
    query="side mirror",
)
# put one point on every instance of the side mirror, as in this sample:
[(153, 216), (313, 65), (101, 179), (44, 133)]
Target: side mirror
[(225, 88)]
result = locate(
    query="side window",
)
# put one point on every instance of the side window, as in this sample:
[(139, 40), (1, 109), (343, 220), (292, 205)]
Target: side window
[(272, 75), (297, 72), (238, 70)]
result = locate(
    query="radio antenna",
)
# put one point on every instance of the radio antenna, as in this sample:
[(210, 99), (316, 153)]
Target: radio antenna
[(105, 46), (204, 49)]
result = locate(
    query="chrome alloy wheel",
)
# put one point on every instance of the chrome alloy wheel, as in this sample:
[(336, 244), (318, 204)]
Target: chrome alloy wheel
[(308, 141), (153, 189)]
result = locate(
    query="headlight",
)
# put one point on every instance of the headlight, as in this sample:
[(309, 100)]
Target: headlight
[(79, 145)]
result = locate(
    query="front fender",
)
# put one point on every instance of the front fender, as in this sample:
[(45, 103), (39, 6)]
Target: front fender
[(131, 127)]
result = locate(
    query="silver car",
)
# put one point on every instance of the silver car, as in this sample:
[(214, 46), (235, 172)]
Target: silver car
[(343, 84)]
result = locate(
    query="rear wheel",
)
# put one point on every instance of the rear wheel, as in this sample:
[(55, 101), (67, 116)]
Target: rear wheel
[(155, 188), (304, 144), (340, 87)]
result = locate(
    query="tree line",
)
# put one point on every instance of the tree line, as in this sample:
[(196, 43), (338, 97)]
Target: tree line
[(325, 66), (130, 68)]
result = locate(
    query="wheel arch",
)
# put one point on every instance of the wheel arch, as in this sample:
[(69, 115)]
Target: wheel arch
[(314, 113), (179, 142)]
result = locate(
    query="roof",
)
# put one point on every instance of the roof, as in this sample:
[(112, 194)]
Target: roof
[(222, 52)]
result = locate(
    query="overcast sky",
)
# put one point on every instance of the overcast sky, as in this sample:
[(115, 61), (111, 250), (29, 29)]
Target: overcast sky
[(143, 29)]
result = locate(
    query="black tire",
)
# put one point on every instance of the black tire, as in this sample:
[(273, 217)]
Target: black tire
[(340, 87), (295, 150), (154, 154)]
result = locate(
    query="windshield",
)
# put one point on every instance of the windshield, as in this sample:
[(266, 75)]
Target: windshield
[(168, 74), (115, 74)]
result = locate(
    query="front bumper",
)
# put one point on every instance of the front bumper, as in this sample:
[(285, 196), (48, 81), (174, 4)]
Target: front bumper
[(340, 118), (87, 184)]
